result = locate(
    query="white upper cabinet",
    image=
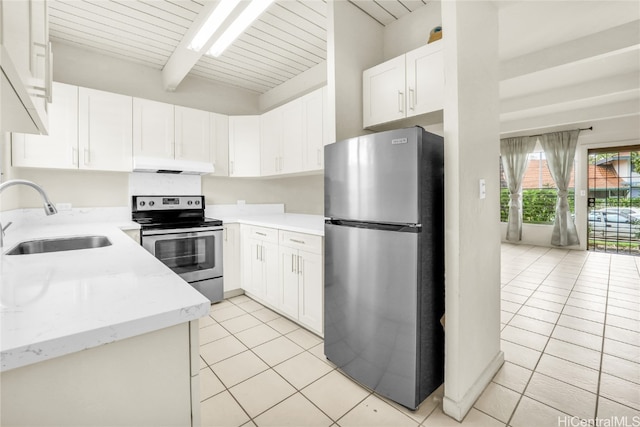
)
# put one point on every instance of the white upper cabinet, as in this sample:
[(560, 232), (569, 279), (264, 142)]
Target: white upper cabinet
[(153, 129), (292, 137), (270, 142), (26, 62), (405, 86), (60, 148), (192, 135), (105, 129), (281, 139), (244, 146), (220, 143), (384, 92), (313, 129), (425, 79)]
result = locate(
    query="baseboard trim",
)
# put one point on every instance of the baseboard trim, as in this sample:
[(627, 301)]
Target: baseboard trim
[(233, 293), (458, 409)]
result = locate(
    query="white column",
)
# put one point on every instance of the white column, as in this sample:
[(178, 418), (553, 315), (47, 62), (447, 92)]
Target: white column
[(472, 224)]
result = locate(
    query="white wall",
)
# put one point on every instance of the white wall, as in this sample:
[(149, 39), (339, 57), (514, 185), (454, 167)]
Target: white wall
[(472, 224), (81, 67), (356, 45), (303, 83), (80, 188), (412, 30), (304, 194)]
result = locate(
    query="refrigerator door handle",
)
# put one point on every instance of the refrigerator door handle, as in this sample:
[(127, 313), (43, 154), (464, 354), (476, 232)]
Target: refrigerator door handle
[(404, 228)]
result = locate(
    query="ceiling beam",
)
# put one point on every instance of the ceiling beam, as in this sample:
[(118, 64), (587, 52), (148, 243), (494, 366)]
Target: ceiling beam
[(597, 88), (572, 116), (183, 59), (589, 48)]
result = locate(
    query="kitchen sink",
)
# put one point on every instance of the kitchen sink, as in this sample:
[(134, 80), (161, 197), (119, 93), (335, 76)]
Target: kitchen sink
[(59, 244)]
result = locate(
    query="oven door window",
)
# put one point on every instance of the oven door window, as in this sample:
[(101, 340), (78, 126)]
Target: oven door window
[(187, 254)]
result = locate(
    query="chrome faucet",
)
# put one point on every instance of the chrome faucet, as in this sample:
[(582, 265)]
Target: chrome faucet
[(49, 209)]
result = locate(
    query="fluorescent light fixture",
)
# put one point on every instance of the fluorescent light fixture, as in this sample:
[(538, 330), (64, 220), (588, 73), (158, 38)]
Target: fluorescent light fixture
[(213, 22), (239, 25)]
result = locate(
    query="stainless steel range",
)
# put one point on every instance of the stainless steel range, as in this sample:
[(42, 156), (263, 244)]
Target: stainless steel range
[(175, 230)]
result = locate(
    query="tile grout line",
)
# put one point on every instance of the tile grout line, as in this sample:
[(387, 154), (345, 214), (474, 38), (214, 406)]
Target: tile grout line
[(604, 328), (272, 368), (533, 371)]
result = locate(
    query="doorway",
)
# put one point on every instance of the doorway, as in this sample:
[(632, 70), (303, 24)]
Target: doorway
[(613, 219)]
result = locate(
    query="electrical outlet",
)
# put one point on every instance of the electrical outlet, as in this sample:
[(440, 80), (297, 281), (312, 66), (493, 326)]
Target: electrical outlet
[(63, 207), (483, 189)]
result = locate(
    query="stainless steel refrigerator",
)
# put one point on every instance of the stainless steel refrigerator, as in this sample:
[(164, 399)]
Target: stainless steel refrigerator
[(384, 262)]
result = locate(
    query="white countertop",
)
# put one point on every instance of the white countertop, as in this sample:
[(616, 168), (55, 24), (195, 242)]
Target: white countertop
[(62, 302), (301, 223)]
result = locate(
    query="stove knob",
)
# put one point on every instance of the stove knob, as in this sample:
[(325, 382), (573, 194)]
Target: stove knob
[(197, 202), (142, 203), (189, 202), (151, 203)]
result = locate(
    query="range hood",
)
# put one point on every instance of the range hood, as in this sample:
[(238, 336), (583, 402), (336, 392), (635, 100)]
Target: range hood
[(160, 165)]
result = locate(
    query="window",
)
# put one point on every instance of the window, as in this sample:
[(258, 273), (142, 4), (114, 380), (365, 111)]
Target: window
[(539, 194)]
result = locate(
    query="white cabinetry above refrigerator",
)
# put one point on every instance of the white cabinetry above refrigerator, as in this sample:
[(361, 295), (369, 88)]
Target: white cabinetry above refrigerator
[(406, 86)]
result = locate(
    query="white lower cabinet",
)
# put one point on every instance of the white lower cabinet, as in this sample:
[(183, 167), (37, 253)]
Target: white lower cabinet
[(301, 269), (285, 274), (145, 380), (260, 261)]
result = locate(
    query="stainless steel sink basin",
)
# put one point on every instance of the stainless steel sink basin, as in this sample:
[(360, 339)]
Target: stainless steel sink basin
[(59, 244)]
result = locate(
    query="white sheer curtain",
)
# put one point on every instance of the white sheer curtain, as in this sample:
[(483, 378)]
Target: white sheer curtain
[(514, 152), (560, 150)]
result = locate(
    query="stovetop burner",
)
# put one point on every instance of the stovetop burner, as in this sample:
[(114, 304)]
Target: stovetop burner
[(165, 212)]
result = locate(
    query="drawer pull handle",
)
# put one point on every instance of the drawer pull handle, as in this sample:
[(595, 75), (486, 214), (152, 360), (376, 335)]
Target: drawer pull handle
[(297, 241), (260, 234)]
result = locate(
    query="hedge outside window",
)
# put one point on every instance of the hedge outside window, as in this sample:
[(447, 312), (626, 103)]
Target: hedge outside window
[(539, 194)]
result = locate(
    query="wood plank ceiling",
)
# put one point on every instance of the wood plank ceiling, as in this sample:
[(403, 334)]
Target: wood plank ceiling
[(287, 39)]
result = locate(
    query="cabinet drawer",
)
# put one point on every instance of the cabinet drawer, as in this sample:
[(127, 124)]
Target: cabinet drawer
[(306, 242), (263, 233)]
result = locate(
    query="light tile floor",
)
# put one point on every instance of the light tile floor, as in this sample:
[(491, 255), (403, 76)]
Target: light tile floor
[(570, 334)]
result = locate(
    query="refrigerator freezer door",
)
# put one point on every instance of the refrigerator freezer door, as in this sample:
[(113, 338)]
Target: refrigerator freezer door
[(371, 304), (374, 177)]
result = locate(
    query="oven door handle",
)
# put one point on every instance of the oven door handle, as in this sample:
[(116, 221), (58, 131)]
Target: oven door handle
[(187, 232)]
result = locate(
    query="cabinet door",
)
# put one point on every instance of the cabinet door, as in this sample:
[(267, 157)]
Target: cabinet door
[(425, 79), (289, 281), (231, 257), (313, 129), (292, 137), (59, 149), (271, 273), (153, 129), (270, 142), (193, 134), (253, 280), (105, 130), (26, 71), (244, 146), (219, 143), (310, 271), (384, 92)]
